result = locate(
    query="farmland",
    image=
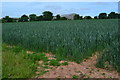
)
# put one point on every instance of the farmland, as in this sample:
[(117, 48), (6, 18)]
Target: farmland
[(73, 40)]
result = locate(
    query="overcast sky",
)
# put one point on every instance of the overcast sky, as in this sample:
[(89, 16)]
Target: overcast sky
[(16, 9)]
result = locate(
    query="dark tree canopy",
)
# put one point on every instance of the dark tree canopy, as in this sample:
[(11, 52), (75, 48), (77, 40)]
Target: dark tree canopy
[(63, 18), (103, 16), (113, 15), (39, 18), (7, 19), (88, 17), (95, 17), (76, 17), (118, 16), (32, 17), (24, 18), (58, 17), (81, 17), (47, 15)]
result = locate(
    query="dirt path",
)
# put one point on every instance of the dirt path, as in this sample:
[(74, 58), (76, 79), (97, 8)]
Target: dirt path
[(86, 69)]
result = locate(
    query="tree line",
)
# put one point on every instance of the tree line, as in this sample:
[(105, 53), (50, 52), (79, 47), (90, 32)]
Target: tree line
[(48, 16)]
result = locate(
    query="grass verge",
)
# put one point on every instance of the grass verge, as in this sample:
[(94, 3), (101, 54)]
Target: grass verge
[(16, 63)]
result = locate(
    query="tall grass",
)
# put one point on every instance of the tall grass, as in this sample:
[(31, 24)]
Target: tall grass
[(16, 64)]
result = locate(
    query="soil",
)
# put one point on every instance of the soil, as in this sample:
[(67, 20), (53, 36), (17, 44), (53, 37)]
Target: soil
[(86, 69)]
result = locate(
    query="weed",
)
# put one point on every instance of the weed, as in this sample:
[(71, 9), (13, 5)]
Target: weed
[(103, 74), (15, 65), (45, 63), (64, 63), (45, 67), (54, 62), (75, 76)]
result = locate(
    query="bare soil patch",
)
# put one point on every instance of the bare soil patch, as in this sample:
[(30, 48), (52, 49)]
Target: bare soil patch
[(86, 69)]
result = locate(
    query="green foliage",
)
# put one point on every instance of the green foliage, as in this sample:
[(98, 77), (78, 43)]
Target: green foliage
[(110, 55), (95, 17), (24, 18), (15, 65), (87, 17), (103, 16), (63, 18), (7, 19), (34, 57), (46, 67), (46, 63), (47, 15), (38, 56), (58, 17), (17, 49), (45, 59), (75, 76), (54, 62), (39, 18), (74, 40), (76, 17), (64, 63), (32, 17), (113, 15)]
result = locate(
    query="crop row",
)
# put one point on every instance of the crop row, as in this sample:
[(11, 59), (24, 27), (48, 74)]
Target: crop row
[(74, 40)]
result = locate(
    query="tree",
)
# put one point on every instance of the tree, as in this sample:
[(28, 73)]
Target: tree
[(102, 16), (118, 16), (95, 17), (76, 17), (47, 15), (19, 20), (63, 18), (81, 17), (58, 17), (7, 19), (112, 15), (87, 17), (24, 18), (39, 18), (32, 17), (3, 20)]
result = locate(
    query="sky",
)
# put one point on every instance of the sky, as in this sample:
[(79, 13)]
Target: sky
[(17, 9), (60, 0)]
